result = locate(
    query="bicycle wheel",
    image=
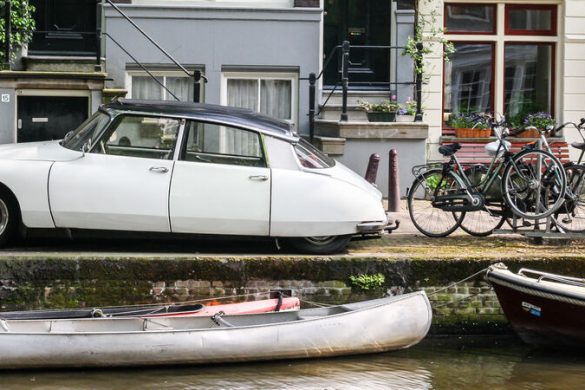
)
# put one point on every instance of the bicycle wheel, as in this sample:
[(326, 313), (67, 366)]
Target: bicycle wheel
[(533, 184), (482, 223), (571, 215), (429, 220)]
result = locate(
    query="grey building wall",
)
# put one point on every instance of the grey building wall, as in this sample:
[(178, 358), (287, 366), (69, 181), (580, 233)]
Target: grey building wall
[(219, 37), (7, 115)]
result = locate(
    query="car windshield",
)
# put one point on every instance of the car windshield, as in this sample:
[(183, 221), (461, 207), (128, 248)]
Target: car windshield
[(88, 130), (311, 157)]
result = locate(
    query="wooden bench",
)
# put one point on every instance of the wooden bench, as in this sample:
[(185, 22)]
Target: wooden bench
[(473, 151)]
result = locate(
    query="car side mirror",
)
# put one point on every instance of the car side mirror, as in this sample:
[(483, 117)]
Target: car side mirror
[(86, 147)]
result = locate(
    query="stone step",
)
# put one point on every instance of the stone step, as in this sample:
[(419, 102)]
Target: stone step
[(60, 64), (370, 130), (353, 97)]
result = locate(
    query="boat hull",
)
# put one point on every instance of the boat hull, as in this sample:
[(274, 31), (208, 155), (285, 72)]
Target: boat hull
[(542, 314), (381, 325)]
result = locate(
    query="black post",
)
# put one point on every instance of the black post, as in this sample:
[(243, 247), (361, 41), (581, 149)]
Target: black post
[(312, 92), (419, 114), (196, 86), (344, 79), (7, 31), (98, 37)]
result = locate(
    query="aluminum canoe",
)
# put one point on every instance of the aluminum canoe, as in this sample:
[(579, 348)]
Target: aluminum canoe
[(371, 326)]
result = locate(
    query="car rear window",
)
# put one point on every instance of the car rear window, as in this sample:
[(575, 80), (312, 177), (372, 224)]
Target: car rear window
[(311, 157)]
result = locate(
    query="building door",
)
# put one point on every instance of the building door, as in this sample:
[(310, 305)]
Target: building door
[(42, 118), (64, 27), (362, 23)]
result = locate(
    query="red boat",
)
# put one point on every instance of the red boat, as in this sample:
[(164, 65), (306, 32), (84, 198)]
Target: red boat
[(169, 310), (545, 309)]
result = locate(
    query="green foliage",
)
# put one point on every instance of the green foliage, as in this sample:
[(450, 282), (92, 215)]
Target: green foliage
[(468, 121), (427, 32), (367, 282), (408, 108), (385, 106), (434, 180), (23, 26)]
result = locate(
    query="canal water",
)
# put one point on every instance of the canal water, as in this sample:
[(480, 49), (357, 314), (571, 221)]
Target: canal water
[(478, 362)]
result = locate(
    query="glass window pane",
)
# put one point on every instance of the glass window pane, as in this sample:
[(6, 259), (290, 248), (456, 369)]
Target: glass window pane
[(210, 143), (181, 87), (144, 87), (530, 19), (242, 93), (136, 136), (528, 79), (275, 98), (468, 79), (470, 18)]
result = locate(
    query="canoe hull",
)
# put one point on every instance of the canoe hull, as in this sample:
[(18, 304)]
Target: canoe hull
[(396, 324), (542, 314)]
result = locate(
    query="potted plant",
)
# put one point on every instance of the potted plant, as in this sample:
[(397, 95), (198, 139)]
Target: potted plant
[(407, 111), (534, 122), (470, 125), (380, 112)]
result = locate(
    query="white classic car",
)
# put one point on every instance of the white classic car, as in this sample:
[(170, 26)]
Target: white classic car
[(183, 168)]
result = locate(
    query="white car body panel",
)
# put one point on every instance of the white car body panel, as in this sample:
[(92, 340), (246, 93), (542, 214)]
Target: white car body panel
[(210, 198), (111, 192), (322, 202)]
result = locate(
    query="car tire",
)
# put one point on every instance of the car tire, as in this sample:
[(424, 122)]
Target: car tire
[(319, 245), (9, 217)]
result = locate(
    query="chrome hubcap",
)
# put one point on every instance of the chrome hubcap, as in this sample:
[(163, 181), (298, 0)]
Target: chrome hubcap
[(3, 216)]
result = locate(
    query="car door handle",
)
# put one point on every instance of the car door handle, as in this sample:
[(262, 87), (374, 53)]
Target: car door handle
[(258, 178), (159, 169)]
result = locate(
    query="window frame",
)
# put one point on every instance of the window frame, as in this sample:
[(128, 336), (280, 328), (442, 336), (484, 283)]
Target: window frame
[(553, 8), (185, 135), (493, 6), (293, 77), (159, 73)]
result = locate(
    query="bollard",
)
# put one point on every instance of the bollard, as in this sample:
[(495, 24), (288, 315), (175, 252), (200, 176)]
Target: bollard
[(372, 170), (393, 183)]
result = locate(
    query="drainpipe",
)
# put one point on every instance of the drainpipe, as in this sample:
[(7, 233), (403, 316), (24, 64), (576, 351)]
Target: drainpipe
[(98, 37), (312, 92), (7, 30), (344, 79)]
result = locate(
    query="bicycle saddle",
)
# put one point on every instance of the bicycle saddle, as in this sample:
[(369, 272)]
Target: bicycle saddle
[(578, 145), (449, 150)]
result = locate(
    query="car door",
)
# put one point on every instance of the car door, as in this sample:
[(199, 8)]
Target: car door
[(221, 184), (123, 184)]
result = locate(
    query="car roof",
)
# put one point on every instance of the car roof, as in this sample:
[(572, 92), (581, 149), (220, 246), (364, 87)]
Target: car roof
[(237, 117)]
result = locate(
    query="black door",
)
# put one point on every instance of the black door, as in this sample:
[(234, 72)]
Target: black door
[(42, 118), (64, 27), (361, 22)]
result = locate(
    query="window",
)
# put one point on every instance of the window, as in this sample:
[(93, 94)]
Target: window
[(271, 94), (311, 157), (144, 87), (531, 19), (211, 143), (501, 65), (140, 136), (470, 19)]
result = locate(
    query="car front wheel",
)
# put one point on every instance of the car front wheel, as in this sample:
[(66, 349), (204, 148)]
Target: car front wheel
[(320, 245), (8, 218)]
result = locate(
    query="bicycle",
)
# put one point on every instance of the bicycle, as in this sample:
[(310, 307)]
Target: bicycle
[(530, 184)]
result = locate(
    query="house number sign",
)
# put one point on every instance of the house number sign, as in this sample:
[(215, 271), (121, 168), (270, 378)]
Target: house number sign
[(5, 98)]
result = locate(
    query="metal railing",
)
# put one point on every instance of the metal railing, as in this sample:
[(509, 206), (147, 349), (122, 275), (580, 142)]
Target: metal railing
[(346, 48)]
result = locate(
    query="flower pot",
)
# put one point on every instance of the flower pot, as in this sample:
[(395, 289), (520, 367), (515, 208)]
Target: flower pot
[(528, 133), (405, 118), (472, 133), (375, 116)]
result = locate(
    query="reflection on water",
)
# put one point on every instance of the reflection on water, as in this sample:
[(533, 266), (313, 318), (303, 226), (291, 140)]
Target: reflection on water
[(446, 363)]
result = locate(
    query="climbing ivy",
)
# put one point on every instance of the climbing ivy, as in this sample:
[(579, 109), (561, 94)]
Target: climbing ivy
[(23, 26)]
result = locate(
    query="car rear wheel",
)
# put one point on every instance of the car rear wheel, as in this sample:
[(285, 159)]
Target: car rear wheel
[(8, 218), (319, 245)]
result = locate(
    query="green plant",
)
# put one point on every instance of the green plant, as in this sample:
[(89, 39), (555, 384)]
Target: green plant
[(432, 182), (540, 120), (427, 33), (385, 106), (408, 108), (23, 26), (367, 282), (468, 120)]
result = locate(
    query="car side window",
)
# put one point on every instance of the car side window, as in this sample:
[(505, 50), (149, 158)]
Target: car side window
[(217, 144), (140, 136)]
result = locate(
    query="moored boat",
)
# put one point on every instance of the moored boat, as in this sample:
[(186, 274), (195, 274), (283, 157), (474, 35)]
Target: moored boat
[(364, 327), (159, 310), (545, 309)]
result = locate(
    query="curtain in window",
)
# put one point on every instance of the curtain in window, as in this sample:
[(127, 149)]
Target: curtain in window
[(181, 87), (275, 98), (144, 87), (242, 93)]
